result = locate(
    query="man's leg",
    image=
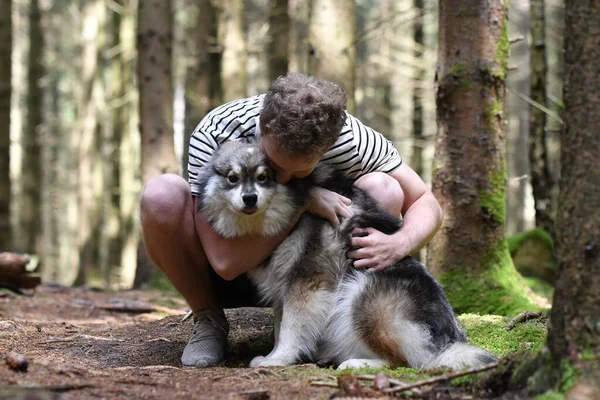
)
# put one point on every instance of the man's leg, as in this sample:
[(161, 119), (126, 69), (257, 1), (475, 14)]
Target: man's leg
[(167, 214), (384, 189)]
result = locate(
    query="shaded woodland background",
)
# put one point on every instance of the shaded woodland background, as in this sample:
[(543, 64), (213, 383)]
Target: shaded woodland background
[(76, 141)]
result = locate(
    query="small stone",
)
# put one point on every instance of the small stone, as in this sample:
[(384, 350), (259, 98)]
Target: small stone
[(17, 362)]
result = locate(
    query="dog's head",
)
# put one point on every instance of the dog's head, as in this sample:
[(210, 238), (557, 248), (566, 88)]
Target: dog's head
[(240, 196)]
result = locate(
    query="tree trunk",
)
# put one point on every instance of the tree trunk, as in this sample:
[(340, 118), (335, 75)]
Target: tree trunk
[(279, 29), (333, 44), (469, 254), (256, 20), (30, 201), (419, 75), (203, 80), (519, 218), (5, 96), (298, 46), (542, 181), (233, 43), (130, 147), (154, 44), (574, 331), (110, 237)]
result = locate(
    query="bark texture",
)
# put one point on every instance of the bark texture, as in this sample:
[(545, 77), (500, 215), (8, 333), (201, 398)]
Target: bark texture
[(154, 45), (333, 44), (5, 96), (542, 181), (469, 254), (203, 80), (298, 47), (31, 175), (233, 43), (574, 332), (279, 29)]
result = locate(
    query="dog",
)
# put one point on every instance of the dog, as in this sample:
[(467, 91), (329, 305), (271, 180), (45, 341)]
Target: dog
[(326, 311)]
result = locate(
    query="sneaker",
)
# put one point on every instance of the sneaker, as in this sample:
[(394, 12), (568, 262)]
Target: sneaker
[(208, 343)]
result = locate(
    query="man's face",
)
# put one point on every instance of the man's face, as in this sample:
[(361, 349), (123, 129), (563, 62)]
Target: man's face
[(285, 168)]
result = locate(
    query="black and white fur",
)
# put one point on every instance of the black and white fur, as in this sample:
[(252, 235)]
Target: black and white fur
[(326, 310)]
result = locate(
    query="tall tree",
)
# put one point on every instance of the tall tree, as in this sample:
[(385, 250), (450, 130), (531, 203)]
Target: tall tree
[(298, 46), (233, 43), (469, 254), (203, 80), (419, 76), (154, 45), (332, 39), (31, 175), (574, 331), (542, 181), (279, 29), (5, 96)]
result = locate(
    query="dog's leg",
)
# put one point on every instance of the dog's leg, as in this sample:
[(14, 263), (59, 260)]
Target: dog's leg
[(356, 363), (304, 316), (277, 312)]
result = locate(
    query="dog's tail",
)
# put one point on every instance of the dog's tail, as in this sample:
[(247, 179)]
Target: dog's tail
[(461, 355), (380, 220)]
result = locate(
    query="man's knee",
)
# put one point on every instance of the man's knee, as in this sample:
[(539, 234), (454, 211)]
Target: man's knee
[(384, 189), (164, 199)]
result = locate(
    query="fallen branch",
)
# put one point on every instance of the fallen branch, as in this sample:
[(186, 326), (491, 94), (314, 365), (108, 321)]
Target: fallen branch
[(81, 336), (138, 308), (523, 317), (440, 379)]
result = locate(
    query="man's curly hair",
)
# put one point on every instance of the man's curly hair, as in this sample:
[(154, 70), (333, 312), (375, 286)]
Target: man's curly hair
[(303, 114)]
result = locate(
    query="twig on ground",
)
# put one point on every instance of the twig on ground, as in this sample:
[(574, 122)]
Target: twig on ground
[(81, 336), (323, 383), (440, 379), (523, 317)]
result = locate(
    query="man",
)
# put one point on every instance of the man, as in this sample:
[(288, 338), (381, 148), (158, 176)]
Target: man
[(300, 121)]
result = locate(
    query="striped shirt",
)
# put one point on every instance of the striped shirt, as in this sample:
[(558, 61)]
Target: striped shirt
[(358, 151)]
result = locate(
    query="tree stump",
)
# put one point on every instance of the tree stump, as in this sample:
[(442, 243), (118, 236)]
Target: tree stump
[(13, 275)]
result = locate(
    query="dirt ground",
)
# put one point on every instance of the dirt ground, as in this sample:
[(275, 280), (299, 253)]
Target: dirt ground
[(82, 344)]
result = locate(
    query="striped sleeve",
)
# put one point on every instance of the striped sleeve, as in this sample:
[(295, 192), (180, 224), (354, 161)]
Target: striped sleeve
[(235, 120), (361, 150)]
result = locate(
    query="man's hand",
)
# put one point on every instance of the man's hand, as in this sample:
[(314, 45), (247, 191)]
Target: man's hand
[(327, 204), (375, 250)]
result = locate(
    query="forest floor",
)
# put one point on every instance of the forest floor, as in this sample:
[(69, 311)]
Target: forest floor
[(81, 343)]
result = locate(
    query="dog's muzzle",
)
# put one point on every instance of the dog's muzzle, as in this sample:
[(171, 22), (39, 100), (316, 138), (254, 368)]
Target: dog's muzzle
[(250, 200)]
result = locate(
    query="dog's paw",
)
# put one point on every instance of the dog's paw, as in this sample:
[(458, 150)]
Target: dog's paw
[(356, 363), (256, 361), (261, 361)]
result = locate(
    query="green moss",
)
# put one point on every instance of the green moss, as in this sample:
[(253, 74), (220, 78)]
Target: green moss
[(497, 289), (541, 288), (514, 242), (550, 395), (489, 332), (502, 51), (466, 85), (458, 69), (493, 198), (568, 375), (494, 110)]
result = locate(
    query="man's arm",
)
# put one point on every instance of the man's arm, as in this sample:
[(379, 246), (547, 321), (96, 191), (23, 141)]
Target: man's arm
[(422, 218), (231, 257)]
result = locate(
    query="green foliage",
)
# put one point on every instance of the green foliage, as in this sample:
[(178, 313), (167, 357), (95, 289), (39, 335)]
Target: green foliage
[(541, 288), (497, 289), (466, 85), (568, 375), (550, 395)]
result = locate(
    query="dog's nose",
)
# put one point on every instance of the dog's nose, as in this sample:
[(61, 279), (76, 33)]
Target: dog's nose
[(250, 199)]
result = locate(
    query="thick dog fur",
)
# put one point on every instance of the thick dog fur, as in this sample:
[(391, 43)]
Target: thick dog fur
[(326, 310)]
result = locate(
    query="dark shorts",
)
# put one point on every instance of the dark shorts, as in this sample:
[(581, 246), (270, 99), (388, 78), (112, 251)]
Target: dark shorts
[(239, 292)]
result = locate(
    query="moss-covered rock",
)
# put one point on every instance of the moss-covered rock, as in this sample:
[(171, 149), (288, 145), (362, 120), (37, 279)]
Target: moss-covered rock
[(533, 254)]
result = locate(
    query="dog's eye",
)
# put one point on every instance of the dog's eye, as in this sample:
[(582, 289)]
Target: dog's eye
[(231, 178), (261, 177)]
